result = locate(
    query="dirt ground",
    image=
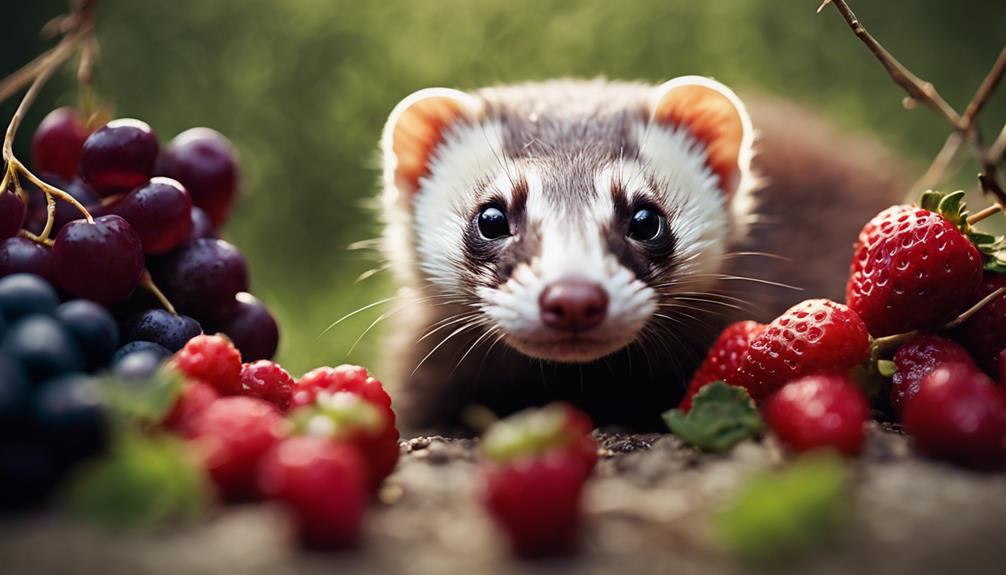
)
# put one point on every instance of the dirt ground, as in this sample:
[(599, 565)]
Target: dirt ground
[(647, 512)]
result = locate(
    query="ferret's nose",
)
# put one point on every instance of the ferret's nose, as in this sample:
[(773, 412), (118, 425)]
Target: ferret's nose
[(573, 305)]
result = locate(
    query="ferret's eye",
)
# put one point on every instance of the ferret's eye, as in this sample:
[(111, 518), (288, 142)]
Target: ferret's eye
[(646, 225), (492, 223)]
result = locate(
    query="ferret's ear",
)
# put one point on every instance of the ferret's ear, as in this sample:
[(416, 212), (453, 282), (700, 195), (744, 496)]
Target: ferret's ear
[(715, 116), (414, 129)]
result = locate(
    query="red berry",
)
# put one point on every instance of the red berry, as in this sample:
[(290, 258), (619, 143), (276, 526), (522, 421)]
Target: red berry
[(100, 261), (55, 148), (119, 156), (212, 359), (268, 381), (12, 211), (911, 269), (984, 334), (812, 336), (194, 397), (723, 359), (205, 162), (819, 411), (161, 213), (536, 464), (960, 416), (917, 359), (231, 435), (323, 483), (345, 377)]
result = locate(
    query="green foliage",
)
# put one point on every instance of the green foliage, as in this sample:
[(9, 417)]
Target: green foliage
[(783, 513), (144, 482), (721, 416), (143, 402)]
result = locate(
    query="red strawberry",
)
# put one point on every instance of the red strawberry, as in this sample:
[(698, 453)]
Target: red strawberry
[(984, 334), (350, 418), (324, 485), (911, 269), (231, 434), (723, 359), (536, 464), (212, 359), (266, 380), (819, 411), (812, 336), (959, 415), (917, 359), (195, 397)]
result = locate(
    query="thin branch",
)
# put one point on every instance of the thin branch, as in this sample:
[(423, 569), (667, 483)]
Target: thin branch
[(985, 90), (942, 163)]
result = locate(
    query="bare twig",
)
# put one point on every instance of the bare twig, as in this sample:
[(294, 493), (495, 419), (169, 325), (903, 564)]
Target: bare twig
[(942, 163)]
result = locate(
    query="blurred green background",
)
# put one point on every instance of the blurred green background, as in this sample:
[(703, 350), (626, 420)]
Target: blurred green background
[(303, 87)]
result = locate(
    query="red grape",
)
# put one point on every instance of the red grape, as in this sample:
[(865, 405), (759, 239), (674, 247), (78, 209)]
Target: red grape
[(252, 328), (202, 278), (12, 211), (57, 143), (119, 156), (21, 255), (160, 212), (65, 211), (205, 162), (202, 225), (102, 261)]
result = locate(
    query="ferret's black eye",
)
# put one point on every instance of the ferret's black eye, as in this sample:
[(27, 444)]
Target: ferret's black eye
[(492, 223), (647, 225)]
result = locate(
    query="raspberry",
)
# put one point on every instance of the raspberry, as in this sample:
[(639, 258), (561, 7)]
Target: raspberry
[(351, 378), (917, 359), (266, 380), (232, 433), (819, 411), (984, 334), (214, 360), (960, 416), (195, 397), (323, 483), (812, 336), (911, 269), (723, 359), (536, 464)]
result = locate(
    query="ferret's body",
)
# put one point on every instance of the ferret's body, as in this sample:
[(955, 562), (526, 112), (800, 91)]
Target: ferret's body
[(586, 240)]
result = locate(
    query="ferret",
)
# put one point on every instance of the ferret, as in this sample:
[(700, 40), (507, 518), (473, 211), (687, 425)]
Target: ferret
[(587, 240)]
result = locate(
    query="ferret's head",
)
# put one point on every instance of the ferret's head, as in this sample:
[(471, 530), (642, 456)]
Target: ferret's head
[(567, 214)]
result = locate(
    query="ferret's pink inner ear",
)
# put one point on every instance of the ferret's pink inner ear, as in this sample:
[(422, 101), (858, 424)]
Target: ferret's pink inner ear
[(714, 118), (419, 125)]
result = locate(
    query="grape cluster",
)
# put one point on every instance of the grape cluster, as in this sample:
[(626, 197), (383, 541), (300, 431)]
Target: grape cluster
[(157, 214)]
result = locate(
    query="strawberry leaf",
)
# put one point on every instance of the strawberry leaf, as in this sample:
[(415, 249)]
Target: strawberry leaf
[(930, 200), (886, 368), (721, 416), (953, 208), (142, 401)]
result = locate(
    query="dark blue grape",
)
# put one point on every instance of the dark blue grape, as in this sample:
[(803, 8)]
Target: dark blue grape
[(163, 327), (94, 329), (138, 365), (70, 417), (25, 294), (29, 473), (137, 346), (13, 390), (43, 347)]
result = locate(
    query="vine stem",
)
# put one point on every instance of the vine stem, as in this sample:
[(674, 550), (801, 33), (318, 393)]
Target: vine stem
[(981, 215), (148, 283)]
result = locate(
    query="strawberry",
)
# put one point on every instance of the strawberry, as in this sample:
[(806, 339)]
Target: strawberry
[(212, 359), (984, 334), (350, 418), (812, 336), (231, 434), (911, 269), (917, 359), (536, 463), (194, 397), (324, 485), (959, 415), (723, 359), (819, 411), (266, 380)]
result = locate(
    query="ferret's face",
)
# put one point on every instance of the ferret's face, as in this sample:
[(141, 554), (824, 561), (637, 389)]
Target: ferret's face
[(567, 216)]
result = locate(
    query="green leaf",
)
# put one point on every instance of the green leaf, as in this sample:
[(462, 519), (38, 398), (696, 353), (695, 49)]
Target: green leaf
[(787, 512), (142, 401), (930, 200), (721, 416), (887, 368), (952, 207), (980, 238), (143, 482)]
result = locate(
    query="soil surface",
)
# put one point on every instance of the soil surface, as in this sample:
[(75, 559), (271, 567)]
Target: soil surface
[(647, 512)]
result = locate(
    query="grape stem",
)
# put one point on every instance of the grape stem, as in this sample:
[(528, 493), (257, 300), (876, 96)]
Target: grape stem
[(148, 283)]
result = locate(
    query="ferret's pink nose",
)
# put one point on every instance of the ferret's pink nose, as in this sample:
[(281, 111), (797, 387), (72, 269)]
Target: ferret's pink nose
[(573, 305)]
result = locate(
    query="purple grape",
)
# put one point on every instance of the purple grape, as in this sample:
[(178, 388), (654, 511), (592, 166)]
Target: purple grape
[(164, 328), (12, 211), (56, 146), (202, 225), (102, 262), (205, 162), (65, 211), (161, 213), (21, 255), (202, 278), (252, 328), (119, 156)]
